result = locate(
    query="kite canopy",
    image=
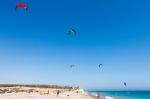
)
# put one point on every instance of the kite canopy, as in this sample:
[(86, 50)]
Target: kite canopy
[(21, 5), (125, 84), (100, 65), (72, 66), (72, 32)]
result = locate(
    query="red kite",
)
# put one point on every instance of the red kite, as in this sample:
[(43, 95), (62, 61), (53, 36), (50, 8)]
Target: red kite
[(22, 5)]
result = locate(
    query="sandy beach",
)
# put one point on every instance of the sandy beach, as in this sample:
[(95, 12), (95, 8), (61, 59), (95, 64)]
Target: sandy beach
[(49, 96), (24, 92)]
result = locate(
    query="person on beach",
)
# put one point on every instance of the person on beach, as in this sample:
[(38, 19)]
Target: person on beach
[(98, 96), (48, 92), (58, 93)]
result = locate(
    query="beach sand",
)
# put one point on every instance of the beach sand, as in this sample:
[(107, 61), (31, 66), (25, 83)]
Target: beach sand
[(65, 95), (43, 93)]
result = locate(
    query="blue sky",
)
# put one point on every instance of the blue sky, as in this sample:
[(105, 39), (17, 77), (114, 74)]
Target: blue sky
[(36, 49)]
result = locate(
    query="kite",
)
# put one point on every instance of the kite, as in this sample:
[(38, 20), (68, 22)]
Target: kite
[(71, 66), (72, 32), (100, 65), (125, 84), (21, 5)]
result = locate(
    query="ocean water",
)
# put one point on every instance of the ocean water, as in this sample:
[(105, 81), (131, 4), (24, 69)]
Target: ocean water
[(123, 94)]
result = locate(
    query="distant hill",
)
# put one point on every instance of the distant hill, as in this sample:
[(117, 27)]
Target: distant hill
[(38, 86)]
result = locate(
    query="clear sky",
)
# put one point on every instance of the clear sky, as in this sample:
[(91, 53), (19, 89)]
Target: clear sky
[(36, 49)]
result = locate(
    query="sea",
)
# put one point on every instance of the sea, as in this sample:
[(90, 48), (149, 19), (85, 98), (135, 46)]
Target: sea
[(122, 94)]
